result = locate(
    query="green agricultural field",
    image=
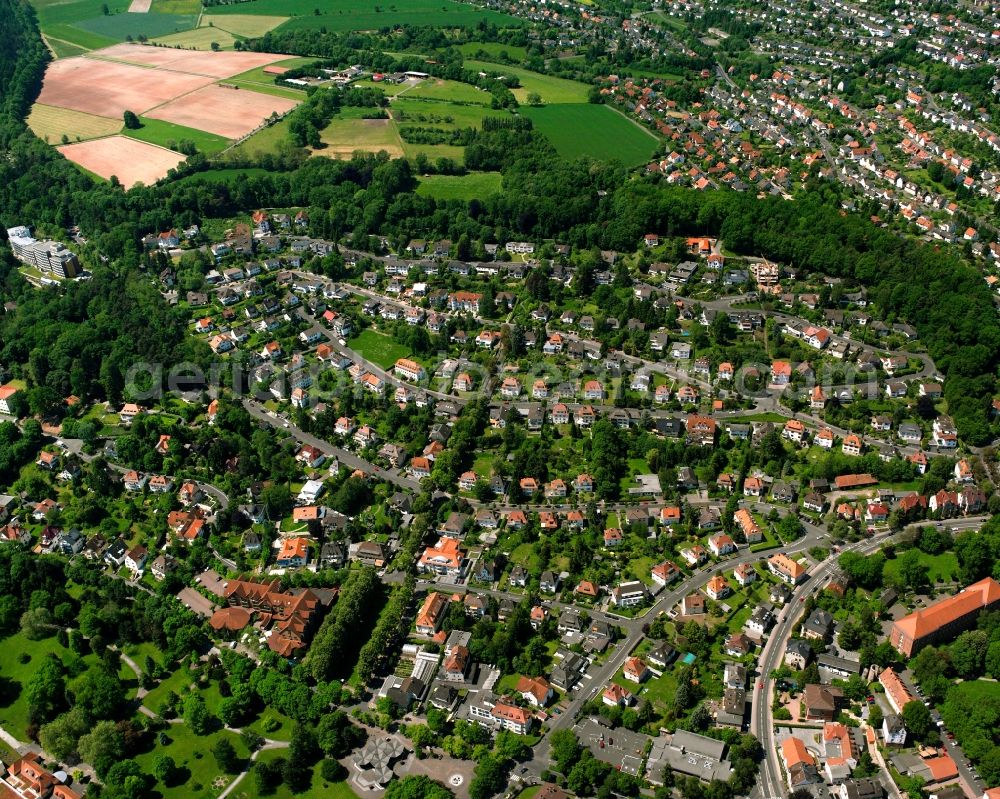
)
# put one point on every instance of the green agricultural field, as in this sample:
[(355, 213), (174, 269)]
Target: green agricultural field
[(176, 7), (595, 131), (248, 25), (156, 131), (199, 39), (61, 49), (378, 348), (352, 15), (120, 27), (551, 89), (491, 50), (449, 91), (474, 186), (58, 20)]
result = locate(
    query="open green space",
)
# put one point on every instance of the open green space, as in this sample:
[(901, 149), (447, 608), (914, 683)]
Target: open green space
[(224, 175), (450, 91), (269, 140), (58, 20), (378, 348), (14, 705), (595, 131), (440, 113), (176, 7), (492, 50), (165, 134), (348, 133), (319, 789), (474, 186), (550, 88), (351, 15), (940, 568), (63, 49), (195, 763), (120, 27)]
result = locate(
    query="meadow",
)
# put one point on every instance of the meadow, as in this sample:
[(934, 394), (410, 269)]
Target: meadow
[(351, 15), (550, 88), (473, 186), (596, 131), (156, 131)]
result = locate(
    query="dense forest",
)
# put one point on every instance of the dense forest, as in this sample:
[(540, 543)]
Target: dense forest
[(583, 203)]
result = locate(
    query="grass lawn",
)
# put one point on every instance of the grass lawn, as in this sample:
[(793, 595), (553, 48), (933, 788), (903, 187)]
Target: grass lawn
[(50, 124), (551, 89), (269, 140), (449, 91), (596, 131), (345, 135), (320, 788), (14, 707), (378, 348), (940, 568), (473, 186), (525, 555), (156, 131), (177, 682), (259, 76), (193, 756), (281, 733)]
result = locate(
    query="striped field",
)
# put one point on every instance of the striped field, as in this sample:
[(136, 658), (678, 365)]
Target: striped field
[(50, 124)]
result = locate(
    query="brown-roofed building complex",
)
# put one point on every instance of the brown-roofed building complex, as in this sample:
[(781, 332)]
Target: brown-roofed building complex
[(945, 619)]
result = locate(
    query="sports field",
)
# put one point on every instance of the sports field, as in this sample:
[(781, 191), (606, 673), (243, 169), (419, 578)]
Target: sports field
[(349, 15), (474, 186), (596, 131), (51, 124), (551, 89)]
